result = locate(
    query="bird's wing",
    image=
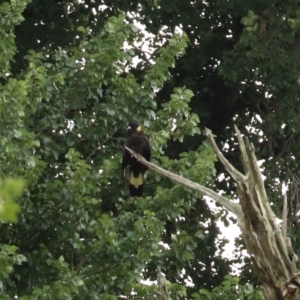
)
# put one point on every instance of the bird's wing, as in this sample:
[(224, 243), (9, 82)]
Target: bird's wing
[(125, 158), (147, 149)]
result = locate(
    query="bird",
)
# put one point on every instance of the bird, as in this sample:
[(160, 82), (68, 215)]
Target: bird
[(139, 142)]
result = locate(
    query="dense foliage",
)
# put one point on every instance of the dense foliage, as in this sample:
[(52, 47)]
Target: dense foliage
[(72, 75)]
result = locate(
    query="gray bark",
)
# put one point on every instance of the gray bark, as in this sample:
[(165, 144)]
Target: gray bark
[(270, 250)]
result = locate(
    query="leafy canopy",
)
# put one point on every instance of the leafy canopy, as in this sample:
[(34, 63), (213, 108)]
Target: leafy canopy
[(64, 114)]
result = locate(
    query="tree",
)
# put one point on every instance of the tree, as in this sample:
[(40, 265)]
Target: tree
[(70, 83), (271, 251), (64, 113)]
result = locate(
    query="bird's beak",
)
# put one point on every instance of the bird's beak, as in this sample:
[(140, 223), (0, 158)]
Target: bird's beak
[(129, 128)]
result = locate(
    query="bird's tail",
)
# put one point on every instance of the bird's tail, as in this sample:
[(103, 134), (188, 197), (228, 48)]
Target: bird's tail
[(136, 184)]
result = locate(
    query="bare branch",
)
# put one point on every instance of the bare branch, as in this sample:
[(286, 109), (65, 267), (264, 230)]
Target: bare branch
[(163, 293), (271, 251), (284, 216), (228, 204), (234, 173)]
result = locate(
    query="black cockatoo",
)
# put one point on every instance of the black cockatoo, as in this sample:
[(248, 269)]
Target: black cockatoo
[(139, 143)]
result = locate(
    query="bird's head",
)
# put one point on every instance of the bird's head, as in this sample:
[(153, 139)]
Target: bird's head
[(134, 126)]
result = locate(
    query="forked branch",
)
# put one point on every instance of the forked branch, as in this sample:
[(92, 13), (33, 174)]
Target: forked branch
[(273, 258)]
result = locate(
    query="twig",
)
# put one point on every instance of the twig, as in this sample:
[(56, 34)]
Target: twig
[(99, 146)]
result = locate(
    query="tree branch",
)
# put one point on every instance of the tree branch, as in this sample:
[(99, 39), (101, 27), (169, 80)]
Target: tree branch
[(274, 259), (284, 216), (229, 205), (163, 293), (235, 174)]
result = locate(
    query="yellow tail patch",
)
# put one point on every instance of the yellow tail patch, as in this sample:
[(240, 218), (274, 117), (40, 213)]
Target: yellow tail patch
[(136, 181)]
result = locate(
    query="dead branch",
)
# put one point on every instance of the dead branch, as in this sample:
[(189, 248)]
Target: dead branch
[(229, 205), (284, 215), (271, 252), (163, 293)]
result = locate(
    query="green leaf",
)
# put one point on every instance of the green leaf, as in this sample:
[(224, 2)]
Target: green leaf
[(81, 29)]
